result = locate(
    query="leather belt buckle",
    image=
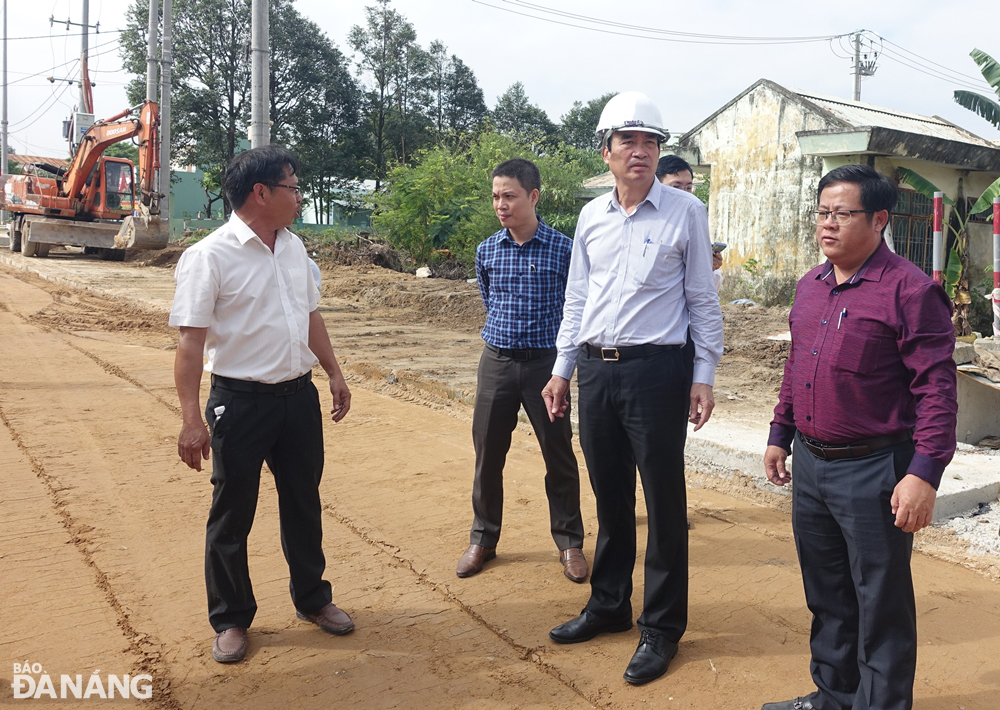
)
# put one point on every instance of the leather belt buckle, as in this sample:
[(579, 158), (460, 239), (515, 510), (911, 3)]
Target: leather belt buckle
[(285, 388), (610, 354), (520, 355)]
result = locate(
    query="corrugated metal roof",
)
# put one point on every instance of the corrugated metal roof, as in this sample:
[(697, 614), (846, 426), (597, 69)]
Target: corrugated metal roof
[(19, 159), (861, 115)]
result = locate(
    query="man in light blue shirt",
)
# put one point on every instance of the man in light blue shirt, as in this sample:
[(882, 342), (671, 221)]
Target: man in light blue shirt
[(640, 276)]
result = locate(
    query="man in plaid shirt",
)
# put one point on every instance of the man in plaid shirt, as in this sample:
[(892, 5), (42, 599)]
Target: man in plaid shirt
[(522, 273)]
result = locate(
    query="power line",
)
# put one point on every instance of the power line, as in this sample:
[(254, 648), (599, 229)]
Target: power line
[(656, 34), (976, 79), (68, 61), (68, 34)]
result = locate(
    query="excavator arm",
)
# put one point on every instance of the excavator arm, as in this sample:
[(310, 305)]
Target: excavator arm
[(106, 133)]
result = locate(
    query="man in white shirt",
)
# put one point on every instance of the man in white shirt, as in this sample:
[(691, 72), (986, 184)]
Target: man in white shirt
[(639, 277), (246, 300)]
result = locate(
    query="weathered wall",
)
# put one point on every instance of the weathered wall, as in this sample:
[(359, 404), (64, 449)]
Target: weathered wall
[(762, 188)]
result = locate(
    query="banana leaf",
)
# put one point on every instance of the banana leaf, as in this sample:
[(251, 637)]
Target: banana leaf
[(921, 184), (985, 201), (988, 66)]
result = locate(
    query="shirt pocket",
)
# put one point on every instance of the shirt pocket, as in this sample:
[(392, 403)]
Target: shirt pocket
[(297, 283), (656, 264), (861, 346)]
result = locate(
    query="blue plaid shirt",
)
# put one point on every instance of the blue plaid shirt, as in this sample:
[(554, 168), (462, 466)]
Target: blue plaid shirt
[(523, 287)]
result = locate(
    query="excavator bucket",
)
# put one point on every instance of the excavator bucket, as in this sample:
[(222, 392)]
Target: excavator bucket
[(142, 232)]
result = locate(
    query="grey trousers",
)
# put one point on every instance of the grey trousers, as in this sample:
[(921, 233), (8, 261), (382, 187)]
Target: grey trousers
[(856, 572), (502, 387)]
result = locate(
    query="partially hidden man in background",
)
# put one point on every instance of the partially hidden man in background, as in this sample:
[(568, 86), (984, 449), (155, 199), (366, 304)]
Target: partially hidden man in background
[(521, 271), (868, 406), (247, 301), (640, 275)]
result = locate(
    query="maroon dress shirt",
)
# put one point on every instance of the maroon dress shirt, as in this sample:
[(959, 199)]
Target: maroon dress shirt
[(871, 357)]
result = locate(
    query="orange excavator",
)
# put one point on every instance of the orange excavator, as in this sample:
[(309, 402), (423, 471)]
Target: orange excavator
[(96, 203)]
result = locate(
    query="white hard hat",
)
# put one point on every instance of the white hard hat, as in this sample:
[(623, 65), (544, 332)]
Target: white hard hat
[(630, 110)]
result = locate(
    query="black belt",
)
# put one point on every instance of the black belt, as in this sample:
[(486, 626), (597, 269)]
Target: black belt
[(278, 389), (524, 354), (855, 449), (625, 352)]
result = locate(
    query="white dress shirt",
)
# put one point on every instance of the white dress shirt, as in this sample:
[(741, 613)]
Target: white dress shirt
[(255, 303), (642, 279)]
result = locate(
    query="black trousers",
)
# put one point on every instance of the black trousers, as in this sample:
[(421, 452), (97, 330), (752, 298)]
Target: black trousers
[(286, 432), (856, 572), (634, 413), (503, 385)]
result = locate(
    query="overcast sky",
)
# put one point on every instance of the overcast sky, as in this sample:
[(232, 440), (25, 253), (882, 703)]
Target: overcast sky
[(559, 64)]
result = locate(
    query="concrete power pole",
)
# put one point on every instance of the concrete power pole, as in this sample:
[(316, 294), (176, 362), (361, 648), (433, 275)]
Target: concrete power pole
[(84, 48), (260, 75), (152, 34), (3, 119), (166, 63), (857, 66)]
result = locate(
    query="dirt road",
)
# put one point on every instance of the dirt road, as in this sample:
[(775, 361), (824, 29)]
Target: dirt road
[(101, 534)]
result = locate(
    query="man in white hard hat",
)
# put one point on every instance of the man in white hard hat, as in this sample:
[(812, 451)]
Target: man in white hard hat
[(640, 276)]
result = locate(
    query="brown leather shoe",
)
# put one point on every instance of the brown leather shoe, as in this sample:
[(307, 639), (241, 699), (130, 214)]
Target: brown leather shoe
[(574, 563), (331, 619), (230, 645), (473, 560)]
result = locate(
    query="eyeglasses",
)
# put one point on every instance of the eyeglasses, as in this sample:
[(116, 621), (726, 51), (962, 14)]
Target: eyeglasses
[(841, 217), (287, 187)]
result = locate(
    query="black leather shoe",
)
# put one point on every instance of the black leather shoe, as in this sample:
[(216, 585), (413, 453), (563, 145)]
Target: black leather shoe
[(585, 627), (797, 704), (651, 659)]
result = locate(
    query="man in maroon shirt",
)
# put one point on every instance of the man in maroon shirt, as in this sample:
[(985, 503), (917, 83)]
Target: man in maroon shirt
[(869, 399)]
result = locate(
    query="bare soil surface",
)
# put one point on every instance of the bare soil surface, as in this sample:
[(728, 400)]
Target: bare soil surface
[(102, 527)]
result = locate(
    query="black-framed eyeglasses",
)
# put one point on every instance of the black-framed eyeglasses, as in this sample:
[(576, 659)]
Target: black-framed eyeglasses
[(841, 217), (287, 187)]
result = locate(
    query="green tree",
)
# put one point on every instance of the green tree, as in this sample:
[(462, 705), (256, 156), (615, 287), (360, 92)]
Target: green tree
[(457, 106), (381, 48), (579, 124), (977, 103), (444, 201), (210, 91), (514, 115)]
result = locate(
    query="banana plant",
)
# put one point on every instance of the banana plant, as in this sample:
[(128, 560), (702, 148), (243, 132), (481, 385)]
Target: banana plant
[(977, 103), (956, 281)]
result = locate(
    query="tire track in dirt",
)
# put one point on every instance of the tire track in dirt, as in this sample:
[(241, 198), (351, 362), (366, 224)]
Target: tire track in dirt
[(148, 660), (524, 653)]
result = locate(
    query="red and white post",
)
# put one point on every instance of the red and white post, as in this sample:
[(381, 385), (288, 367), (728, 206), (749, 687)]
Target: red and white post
[(996, 268), (937, 255)]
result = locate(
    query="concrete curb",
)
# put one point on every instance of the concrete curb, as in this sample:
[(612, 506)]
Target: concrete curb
[(726, 448)]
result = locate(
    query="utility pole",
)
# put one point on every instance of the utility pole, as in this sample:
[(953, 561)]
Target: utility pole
[(864, 61), (3, 119), (260, 75), (84, 47), (166, 62), (151, 42), (857, 66)]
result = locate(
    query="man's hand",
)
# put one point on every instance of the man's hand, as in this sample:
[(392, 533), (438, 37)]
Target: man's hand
[(194, 443), (913, 503), (341, 396), (716, 261), (774, 465), (556, 396), (702, 404)]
